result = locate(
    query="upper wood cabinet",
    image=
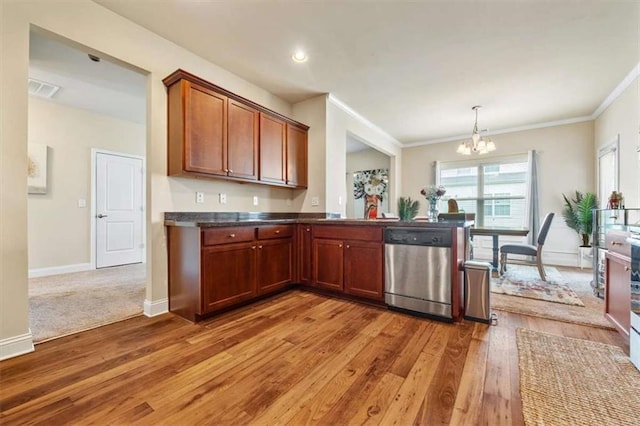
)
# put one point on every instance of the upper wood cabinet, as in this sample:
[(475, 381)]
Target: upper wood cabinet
[(242, 140), (273, 139), (216, 133)]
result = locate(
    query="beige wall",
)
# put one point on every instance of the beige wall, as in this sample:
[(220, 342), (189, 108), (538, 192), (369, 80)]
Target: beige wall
[(339, 124), (623, 117), (367, 159), (110, 35), (565, 164), (54, 219)]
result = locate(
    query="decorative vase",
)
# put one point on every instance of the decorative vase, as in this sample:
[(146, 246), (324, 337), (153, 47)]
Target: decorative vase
[(433, 210), (370, 206)]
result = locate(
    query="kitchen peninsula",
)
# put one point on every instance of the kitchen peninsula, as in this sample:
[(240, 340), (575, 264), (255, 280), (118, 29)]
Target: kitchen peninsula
[(218, 261)]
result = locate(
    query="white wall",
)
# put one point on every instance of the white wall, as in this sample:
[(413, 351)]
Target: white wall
[(88, 24), (367, 159), (54, 219), (623, 117), (341, 122), (565, 164)]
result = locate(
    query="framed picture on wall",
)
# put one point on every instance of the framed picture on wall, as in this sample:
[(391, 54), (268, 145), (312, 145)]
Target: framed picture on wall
[(37, 168)]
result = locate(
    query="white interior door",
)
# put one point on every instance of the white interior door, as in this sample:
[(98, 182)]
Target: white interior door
[(119, 210)]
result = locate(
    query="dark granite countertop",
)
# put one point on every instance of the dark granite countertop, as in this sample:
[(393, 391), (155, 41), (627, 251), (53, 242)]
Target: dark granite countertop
[(219, 219)]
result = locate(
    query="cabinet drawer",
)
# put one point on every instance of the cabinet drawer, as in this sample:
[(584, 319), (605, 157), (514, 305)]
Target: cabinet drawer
[(616, 241), (236, 234), (275, 231), (356, 232)]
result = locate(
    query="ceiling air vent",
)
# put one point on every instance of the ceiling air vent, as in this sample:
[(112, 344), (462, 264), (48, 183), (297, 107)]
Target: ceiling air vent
[(42, 88)]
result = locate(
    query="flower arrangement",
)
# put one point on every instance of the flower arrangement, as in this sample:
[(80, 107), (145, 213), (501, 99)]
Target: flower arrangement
[(433, 193), (370, 182)]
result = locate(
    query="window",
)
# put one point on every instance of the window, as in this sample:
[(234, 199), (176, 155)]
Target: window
[(494, 189)]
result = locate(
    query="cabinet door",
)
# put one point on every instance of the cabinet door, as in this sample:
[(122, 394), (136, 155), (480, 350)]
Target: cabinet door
[(275, 264), (272, 149), (205, 130), (363, 269), (296, 157), (242, 141), (305, 257), (617, 292), (328, 264), (228, 275)]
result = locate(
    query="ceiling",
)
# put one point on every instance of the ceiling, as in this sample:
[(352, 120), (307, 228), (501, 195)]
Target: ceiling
[(103, 87), (415, 69)]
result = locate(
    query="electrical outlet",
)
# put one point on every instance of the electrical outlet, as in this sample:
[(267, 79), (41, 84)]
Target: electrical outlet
[(82, 203), (199, 197), (339, 200), (223, 198), (255, 200), (315, 201)]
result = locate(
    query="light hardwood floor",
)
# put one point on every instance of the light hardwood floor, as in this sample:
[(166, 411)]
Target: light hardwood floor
[(297, 358)]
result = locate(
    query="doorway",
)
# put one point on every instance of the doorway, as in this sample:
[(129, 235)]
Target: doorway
[(119, 208)]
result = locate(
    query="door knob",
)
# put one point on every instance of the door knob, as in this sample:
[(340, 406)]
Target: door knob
[(100, 216)]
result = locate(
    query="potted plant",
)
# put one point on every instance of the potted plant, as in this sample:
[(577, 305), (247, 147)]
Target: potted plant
[(578, 214), (407, 208)]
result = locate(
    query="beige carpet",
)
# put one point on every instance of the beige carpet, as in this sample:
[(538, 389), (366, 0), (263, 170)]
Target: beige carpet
[(592, 313), (525, 281), (69, 303), (566, 381)]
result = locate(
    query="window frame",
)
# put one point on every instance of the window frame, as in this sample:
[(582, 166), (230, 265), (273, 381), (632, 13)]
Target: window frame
[(480, 164)]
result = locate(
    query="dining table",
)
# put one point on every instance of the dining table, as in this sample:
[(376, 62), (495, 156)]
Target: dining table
[(495, 232)]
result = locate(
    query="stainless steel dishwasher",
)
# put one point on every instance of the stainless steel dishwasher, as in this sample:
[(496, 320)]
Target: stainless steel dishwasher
[(418, 270)]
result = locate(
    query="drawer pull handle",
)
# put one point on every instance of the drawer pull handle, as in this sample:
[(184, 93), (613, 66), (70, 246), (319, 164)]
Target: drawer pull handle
[(626, 268), (232, 235), (615, 243), (230, 171)]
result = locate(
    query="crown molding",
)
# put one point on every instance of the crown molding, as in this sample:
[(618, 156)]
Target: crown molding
[(346, 108), (507, 130), (626, 82)]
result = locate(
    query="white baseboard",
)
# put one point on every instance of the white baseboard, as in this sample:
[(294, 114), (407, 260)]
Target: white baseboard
[(57, 270), (16, 345), (156, 307)]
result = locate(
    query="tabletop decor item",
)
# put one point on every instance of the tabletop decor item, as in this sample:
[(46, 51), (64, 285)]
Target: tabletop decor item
[(372, 186), (433, 193), (407, 208)]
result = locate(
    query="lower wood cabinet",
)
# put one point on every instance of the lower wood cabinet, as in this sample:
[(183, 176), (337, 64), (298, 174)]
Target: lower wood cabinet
[(215, 268), (228, 275), (275, 264), (305, 255), (617, 291), (349, 260)]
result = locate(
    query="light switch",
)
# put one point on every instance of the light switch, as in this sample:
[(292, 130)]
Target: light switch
[(339, 200), (223, 198), (199, 197), (82, 203), (315, 201), (255, 200)]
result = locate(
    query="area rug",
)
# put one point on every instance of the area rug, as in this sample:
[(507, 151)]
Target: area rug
[(567, 381), (64, 304), (524, 281)]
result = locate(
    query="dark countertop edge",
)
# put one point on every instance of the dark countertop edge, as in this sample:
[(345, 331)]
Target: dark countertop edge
[(320, 221)]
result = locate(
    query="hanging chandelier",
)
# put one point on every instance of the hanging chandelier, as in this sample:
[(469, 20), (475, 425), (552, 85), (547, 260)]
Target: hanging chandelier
[(477, 144)]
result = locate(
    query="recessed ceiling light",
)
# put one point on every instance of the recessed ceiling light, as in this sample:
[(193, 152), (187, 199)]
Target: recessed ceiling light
[(300, 56)]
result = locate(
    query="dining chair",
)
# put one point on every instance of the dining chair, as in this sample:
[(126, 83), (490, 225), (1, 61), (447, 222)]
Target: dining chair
[(528, 249)]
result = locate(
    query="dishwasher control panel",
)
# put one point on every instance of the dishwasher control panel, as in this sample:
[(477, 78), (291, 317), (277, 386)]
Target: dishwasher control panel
[(418, 237)]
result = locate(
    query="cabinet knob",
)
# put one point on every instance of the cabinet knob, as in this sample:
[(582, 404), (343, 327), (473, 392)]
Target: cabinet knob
[(308, 229), (340, 245), (259, 247), (277, 231), (626, 268), (232, 235), (253, 247), (348, 246), (230, 171)]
